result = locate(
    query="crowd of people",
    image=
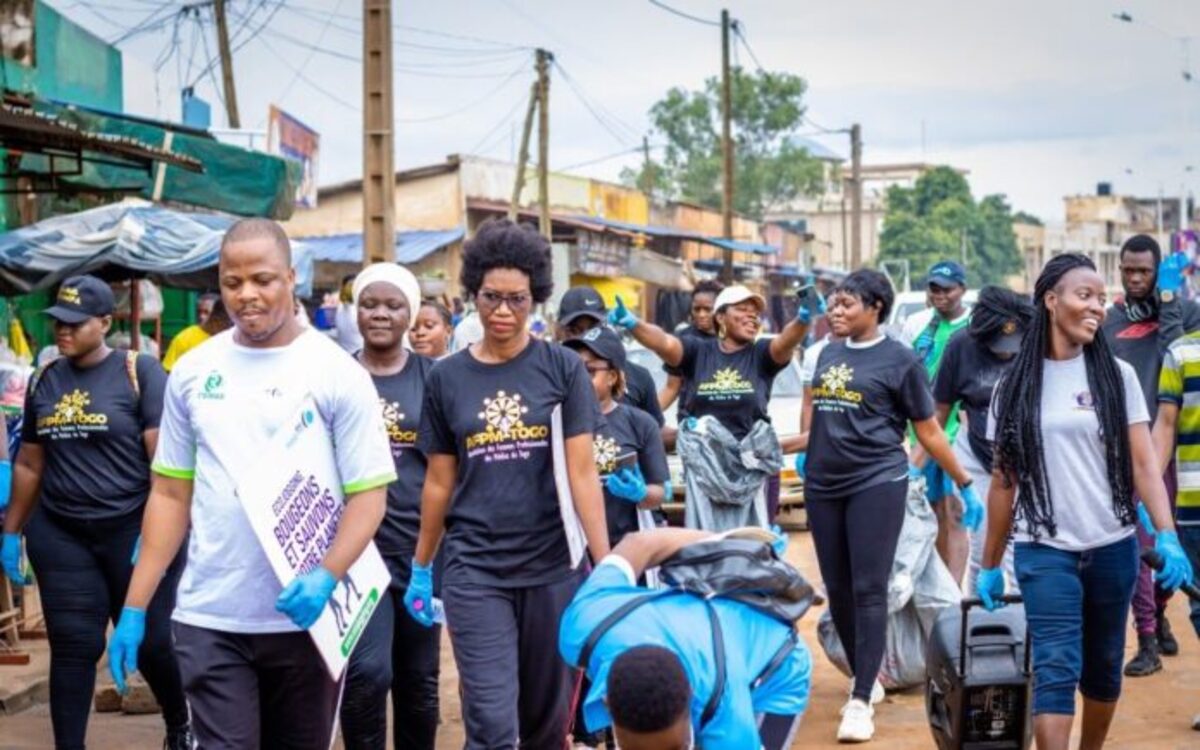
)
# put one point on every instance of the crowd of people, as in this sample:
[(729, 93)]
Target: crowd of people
[(1039, 429)]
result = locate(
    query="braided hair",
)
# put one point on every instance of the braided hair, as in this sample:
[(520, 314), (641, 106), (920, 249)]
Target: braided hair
[(1018, 404), (993, 311)]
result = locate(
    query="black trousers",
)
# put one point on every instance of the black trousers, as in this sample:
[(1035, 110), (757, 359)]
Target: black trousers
[(855, 537), (252, 691), (515, 686), (83, 570), (395, 653)]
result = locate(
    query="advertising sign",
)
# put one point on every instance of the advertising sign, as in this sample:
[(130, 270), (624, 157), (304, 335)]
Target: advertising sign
[(292, 139)]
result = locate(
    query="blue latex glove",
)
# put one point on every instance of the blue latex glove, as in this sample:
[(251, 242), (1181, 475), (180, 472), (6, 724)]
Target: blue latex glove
[(689, 423), (1176, 569), (620, 316), (10, 556), (914, 473), (801, 460), (5, 482), (668, 491), (972, 508), (418, 599), (937, 485), (1144, 518), (1170, 273), (805, 316), (990, 587), (304, 598), (124, 644), (137, 550), (627, 484), (781, 540)]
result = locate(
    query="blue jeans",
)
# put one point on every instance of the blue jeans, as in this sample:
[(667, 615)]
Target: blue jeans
[(1076, 607), (1189, 538)]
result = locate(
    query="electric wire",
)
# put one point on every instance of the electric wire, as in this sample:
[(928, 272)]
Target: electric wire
[(681, 14)]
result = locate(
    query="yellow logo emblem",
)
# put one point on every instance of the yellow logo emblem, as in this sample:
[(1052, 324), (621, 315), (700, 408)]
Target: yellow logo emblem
[(71, 411), (392, 419), (835, 379), (503, 416), (68, 294), (605, 450), (726, 382)]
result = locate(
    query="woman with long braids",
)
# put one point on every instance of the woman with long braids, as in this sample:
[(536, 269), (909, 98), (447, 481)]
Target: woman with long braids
[(1067, 403), (973, 362)]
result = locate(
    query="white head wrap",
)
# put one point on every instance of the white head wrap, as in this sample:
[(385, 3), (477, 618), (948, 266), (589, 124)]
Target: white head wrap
[(394, 274)]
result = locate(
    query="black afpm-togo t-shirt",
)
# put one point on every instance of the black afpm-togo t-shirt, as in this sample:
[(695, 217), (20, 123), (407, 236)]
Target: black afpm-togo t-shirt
[(863, 399), (733, 387), (90, 424), (622, 432), (503, 527)]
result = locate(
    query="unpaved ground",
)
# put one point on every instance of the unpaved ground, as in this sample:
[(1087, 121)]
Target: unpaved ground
[(1155, 712)]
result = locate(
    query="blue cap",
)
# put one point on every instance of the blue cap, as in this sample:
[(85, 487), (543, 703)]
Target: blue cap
[(947, 273)]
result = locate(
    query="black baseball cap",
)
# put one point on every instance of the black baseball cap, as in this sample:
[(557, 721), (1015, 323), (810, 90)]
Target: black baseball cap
[(579, 301), (947, 274), (1008, 340), (81, 298), (604, 343)]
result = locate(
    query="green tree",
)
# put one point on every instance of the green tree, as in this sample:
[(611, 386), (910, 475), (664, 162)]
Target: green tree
[(770, 166), (938, 219)]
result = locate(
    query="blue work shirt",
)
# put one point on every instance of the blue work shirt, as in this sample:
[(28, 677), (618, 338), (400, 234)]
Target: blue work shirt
[(681, 624)]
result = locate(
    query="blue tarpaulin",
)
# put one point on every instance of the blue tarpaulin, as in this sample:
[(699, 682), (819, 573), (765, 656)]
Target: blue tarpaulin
[(411, 246), (130, 238)]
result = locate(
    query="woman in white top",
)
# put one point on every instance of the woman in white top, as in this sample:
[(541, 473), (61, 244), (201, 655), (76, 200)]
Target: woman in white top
[(1072, 444)]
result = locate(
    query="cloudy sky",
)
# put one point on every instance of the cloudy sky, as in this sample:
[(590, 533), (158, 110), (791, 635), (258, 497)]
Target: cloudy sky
[(1036, 99)]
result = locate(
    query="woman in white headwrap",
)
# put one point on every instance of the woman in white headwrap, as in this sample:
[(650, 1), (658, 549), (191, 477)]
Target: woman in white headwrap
[(395, 653)]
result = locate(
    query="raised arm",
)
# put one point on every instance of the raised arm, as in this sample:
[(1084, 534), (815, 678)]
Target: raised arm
[(667, 347)]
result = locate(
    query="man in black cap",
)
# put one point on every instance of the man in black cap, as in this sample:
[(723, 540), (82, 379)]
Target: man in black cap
[(1139, 328), (582, 309)]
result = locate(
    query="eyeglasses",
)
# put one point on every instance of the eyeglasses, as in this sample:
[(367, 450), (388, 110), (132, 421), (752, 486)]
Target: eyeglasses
[(491, 301), (593, 369)]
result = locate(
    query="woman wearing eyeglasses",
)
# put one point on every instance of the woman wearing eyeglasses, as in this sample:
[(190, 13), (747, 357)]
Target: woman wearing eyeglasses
[(490, 490)]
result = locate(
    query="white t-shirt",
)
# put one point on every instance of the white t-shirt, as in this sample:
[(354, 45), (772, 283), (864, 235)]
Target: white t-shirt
[(224, 399), (345, 327), (1077, 474), (808, 363)]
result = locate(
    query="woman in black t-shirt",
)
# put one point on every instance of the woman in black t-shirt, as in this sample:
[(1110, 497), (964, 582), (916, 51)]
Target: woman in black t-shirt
[(867, 388), (728, 377), (394, 653), (629, 450), (487, 428), (81, 480), (701, 324), (971, 366)]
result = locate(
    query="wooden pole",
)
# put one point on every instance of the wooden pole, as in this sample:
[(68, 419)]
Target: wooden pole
[(856, 193), (226, 54), (726, 151), (544, 59), (379, 179), (523, 154)]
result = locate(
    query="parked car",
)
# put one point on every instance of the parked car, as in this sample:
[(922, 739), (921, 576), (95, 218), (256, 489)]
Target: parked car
[(909, 304)]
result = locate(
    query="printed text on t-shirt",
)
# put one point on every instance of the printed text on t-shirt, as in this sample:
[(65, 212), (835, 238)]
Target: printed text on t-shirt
[(505, 436)]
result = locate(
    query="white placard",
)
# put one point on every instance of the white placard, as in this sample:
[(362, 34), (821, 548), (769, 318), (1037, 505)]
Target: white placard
[(293, 498), (576, 540)]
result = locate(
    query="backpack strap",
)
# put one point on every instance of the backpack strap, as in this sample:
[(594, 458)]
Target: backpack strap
[(618, 614), (781, 654), (131, 360), (36, 378), (718, 691)]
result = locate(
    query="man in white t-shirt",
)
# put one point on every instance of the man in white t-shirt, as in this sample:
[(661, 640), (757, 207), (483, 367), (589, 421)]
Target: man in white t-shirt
[(251, 674)]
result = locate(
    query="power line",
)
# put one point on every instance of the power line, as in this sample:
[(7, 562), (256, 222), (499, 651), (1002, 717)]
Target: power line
[(312, 84), (470, 105), (212, 61), (311, 53), (681, 14), (507, 119), (609, 157), (740, 30), (609, 121), (357, 29)]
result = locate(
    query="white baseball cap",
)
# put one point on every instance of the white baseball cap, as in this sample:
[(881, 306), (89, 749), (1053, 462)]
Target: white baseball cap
[(735, 295)]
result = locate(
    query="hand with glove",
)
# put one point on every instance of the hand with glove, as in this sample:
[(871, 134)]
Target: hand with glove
[(990, 587), (937, 484), (781, 540), (810, 310), (801, 460), (10, 557), (304, 598), (1170, 273), (124, 644), (418, 598), (628, 484), (621, 317), (689, 423), (973, 510), (5, 482), (1176, 569)]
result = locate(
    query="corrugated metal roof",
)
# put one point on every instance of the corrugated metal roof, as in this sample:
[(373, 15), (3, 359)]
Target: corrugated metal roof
[(411, 246), (685, 234)]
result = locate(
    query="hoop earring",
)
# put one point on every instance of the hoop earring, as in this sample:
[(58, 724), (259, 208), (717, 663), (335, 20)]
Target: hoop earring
[(720, 330)]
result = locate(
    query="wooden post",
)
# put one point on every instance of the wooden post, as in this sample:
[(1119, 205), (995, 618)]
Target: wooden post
[(231, 108), (523, 154), (544, 59), (726, 151), (856, 193), (379, 177)]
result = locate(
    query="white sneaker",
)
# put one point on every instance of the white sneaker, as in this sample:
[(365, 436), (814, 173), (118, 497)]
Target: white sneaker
[(877, 692), (857, 724)]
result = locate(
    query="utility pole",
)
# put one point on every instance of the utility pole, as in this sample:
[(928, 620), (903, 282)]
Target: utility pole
[(726, 151), (523, 154), (856, 193), (379, 179), (647, 169), (231, 107), (544, 59)]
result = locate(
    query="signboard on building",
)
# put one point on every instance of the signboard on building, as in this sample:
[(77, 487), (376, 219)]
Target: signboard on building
[(598, 254), (292, 139), (16, 31)]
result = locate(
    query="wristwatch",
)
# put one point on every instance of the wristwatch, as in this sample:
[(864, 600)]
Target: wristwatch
[(966, 484)]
